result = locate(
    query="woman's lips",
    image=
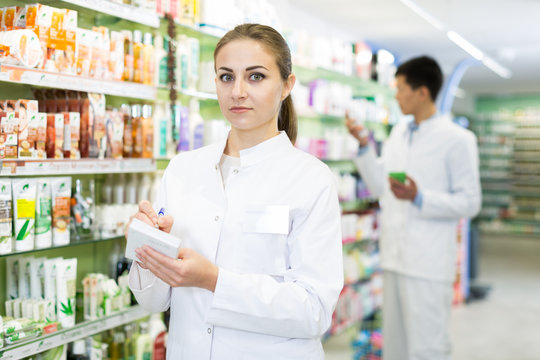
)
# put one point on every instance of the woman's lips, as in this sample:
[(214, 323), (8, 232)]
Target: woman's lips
[(239, 109)]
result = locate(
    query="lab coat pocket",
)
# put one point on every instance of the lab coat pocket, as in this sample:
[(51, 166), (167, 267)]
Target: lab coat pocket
[(263, 241)]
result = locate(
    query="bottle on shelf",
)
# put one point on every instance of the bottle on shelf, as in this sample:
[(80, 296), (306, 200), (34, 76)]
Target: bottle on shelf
[(144, 188), (158, 335), (147, 132), (143, 343), (137, 130), (161, 46), (129, 61), (196, 125), (138, 56), (79, 351), (148, 60), (128, 131), (131, 190), (107, 190), (118, 189)]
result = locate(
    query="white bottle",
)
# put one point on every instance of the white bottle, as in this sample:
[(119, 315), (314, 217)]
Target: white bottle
[(143, 192), (154, 190), (118, 190), (160, 57), (196, 125), (143, 343), (131, 190), (106, 190)]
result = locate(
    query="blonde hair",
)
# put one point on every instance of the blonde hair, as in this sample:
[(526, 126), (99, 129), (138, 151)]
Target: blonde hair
[(274, 42)]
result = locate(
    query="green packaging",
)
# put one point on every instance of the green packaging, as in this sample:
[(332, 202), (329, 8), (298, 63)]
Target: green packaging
[(66, 277), (6, 217), (43, 214), (399, 176), (24, 196)]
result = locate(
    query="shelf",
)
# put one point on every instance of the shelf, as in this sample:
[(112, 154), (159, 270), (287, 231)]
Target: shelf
[(355, 205), (20, 167), (35, 77), (65, 336), (71, 244), (135, 14)]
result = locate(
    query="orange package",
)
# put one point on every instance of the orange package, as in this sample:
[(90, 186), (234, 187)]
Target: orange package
[(9, 127), (37, 132), (75, 127), (83, 52), (26, 109)]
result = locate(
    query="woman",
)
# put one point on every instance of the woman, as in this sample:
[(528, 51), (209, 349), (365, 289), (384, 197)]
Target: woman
[(261, 258)]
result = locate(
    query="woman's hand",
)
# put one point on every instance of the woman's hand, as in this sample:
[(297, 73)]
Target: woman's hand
[(147, 214), (193, 270)]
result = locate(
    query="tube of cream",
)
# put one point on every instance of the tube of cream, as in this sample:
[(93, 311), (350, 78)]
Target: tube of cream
[(66, 278), (6, 217), (43, 214), (24, 196)]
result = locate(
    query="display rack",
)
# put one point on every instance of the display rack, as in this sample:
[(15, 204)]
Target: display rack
[(84, 241), (35, 77), (509, 145), (51, 167), (65, 336), (127, 12)]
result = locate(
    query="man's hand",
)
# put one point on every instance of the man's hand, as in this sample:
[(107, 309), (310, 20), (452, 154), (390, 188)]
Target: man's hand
[(356, 130), (405, 191)]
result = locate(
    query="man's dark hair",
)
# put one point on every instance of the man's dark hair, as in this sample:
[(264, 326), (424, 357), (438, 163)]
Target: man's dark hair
[(422, 71)]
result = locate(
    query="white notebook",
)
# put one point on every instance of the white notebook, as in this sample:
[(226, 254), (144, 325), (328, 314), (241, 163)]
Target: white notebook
[(140, 234)]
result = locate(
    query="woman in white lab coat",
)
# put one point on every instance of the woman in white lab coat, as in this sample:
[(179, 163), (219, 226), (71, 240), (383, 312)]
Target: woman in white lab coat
[(260, 269)]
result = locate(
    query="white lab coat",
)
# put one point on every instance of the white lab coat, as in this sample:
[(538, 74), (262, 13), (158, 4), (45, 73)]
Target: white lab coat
[(280, 268), (442, 158)]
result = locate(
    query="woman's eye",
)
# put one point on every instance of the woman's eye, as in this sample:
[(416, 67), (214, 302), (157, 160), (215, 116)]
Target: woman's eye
[(256, 77), (226, 77)]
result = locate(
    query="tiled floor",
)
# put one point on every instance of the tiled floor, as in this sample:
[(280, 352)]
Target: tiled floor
[(504, 326)]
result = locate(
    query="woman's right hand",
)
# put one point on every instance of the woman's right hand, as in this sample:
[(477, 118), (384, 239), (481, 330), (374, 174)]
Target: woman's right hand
[(147, 214), (356, 130)]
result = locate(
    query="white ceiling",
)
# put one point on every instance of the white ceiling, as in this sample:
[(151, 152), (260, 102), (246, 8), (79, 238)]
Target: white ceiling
[(506, 30)]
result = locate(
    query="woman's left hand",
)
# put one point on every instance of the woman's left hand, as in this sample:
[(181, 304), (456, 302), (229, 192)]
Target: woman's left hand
[(193, 270)]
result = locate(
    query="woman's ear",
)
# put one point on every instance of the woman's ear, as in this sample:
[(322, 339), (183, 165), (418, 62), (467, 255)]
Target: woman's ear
[(288, 86)]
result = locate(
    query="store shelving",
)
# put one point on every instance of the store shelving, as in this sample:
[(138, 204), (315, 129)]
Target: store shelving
[(83, 241), (35, 77), (21, 167), (127, 12), (65, 336)]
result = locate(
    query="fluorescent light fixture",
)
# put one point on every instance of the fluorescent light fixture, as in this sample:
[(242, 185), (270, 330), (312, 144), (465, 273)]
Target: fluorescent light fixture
[(459, 40), (424, 14), (459, 93), (465, 45), (496, 67)]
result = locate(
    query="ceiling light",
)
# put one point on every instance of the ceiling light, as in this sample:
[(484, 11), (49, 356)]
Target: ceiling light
[(496, 67), (424, 14), (459, 40), (465, 45)]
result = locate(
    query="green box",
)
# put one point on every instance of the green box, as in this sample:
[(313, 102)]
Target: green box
[(399, 176)]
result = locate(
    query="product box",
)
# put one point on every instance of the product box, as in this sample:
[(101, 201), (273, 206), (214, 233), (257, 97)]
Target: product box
[(96, 125), (27, 110), (58, 136), (116, 60), (115, 134), (75, 127), (9, 129), (37, 131), (83, 51), (140, 234), (39, 19), (68, 64)]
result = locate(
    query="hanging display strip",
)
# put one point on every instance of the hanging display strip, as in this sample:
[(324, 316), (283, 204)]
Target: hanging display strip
[(37, 77), (72, 167), (132, 13), (77, 332)]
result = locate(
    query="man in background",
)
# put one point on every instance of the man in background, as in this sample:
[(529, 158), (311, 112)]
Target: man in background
[(427, 178)]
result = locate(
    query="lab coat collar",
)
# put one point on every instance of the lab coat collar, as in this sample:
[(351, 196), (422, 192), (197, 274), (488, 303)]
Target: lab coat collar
[(437, 118), (271, 147)]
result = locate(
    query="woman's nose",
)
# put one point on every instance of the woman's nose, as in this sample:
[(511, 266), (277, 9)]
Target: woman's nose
[(239, 89)]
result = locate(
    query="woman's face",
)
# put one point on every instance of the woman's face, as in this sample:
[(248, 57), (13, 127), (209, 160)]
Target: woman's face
[(249, 86)]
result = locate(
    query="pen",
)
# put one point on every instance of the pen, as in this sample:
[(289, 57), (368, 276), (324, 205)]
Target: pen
[(161, 212)]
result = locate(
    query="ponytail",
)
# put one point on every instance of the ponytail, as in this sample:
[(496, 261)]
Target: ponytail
[(287, 119)]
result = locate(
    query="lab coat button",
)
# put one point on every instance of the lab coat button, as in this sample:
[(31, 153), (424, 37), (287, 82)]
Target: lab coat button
[(235, 171), (216, 218), (209, 330)]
